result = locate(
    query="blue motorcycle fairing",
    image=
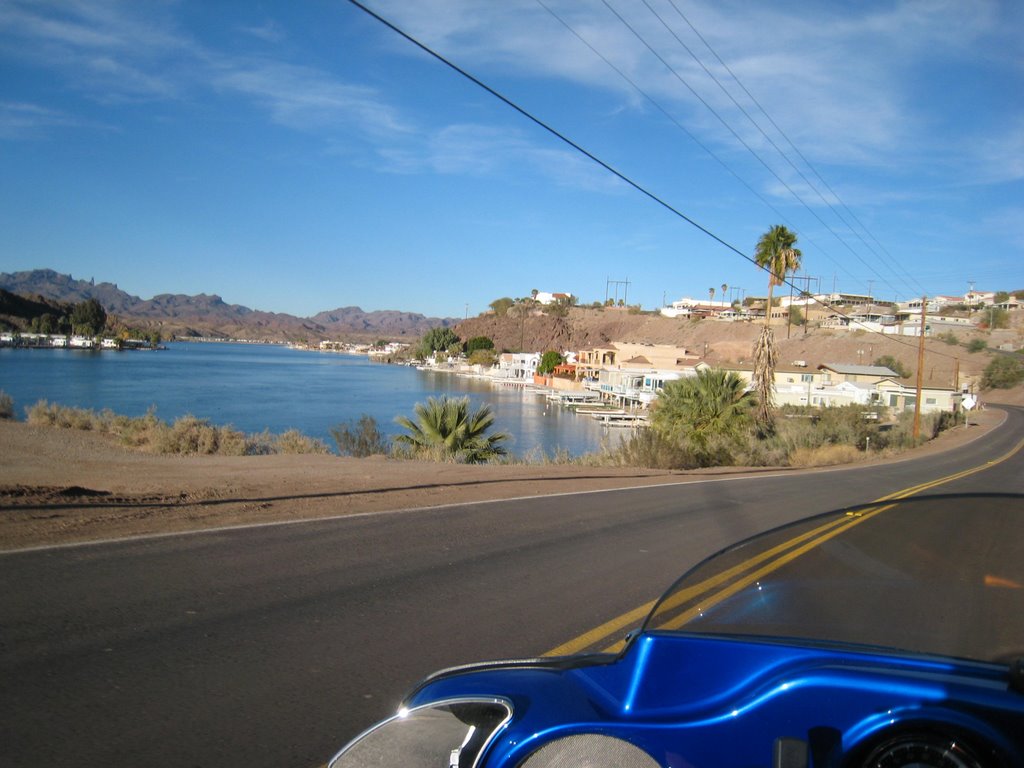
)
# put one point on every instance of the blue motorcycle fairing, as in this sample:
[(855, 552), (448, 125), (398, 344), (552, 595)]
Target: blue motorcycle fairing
[(699, 700)]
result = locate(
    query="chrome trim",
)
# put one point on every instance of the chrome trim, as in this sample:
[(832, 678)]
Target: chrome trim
[(404, 712)]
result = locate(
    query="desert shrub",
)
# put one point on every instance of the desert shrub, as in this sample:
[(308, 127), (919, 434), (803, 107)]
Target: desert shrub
[(824, 456), (977, 345), (45, 414), (839, 425), (293, 442), (187, 436), (771, 451), (6, 406), (191, 435), (900, 435), (1002, 372), (894, 365), (484, 357), (654, 450), (950, 338), (940, 422), (361, 439), (537, 456)]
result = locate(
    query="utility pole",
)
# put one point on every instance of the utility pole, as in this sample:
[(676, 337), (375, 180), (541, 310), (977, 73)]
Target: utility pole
[(920, 371), (625, 292)]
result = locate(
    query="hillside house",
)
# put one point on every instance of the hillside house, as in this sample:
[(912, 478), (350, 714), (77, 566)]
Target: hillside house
[(855, 374), (900, 397), (546, 298)]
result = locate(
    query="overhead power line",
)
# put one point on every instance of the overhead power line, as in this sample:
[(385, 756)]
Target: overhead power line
[(668, 115), (590, 156), (796, 150), (725, 123)]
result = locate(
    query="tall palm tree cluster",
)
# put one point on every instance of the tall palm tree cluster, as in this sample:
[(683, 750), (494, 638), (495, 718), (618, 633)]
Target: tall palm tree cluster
[(706, 413), (445, 428), (711, 412)]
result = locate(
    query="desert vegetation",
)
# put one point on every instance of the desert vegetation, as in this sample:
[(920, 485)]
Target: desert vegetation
[(6, 406), (702, 421), (187, 435)]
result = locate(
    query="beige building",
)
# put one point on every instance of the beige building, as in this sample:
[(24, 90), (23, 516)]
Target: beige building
[(623, 355)]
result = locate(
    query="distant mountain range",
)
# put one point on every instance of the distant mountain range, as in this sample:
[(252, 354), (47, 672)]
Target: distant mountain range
[(210, 315)]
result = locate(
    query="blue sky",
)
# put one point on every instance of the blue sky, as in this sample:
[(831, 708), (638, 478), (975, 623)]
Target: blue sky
[(298, 157)]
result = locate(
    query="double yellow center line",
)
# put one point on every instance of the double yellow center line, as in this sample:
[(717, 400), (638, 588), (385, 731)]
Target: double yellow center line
[(723, 585)]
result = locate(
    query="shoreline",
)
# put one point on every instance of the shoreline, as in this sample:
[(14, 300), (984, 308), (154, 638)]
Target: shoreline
[(63, 487)]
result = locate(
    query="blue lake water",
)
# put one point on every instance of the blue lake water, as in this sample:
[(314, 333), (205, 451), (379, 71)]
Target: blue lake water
[(258, 387)]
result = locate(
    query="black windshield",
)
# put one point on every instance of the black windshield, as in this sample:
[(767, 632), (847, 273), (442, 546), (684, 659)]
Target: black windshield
[(941, 574)]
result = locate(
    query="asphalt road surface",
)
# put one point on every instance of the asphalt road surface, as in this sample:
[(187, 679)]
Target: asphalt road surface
[(273, 646)]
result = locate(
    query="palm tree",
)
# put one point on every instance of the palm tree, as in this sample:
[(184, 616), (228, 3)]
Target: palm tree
[(446, 428), (776, 253), (703, 411), (725, 289), (711, 294)]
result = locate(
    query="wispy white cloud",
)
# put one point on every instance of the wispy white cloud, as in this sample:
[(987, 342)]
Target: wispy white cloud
[(843, 84), (31, 121), (269, 32), (994, 158), (1005, 222), (484, 150), (115, 52), (110, 50), (308, 99)]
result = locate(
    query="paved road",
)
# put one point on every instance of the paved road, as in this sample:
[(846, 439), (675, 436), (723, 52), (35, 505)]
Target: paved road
[(272, 646)]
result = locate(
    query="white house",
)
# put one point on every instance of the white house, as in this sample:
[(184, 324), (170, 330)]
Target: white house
[(518, 365), (546, 298)]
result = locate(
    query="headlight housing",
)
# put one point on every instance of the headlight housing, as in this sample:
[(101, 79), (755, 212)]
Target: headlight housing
[(451, 733)]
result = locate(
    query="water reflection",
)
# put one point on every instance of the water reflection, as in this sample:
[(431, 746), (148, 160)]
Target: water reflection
[(258, 387)]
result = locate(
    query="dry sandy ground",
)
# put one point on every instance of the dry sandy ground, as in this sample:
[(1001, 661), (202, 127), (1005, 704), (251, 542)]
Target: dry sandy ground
[(61, 486)]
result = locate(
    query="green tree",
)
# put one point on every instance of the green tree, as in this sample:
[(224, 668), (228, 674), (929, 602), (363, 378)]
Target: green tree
[(894, 365), (994, 317), (777, 254), (796, 315), (484, 357), (548, 361), (706, 411), (6, 406), (45, 323), (361, 439), (501, 306), (88, 317), (437, 339), (447, 429), (479, 342), (977, 345), (1001, 297), (1002, 372)]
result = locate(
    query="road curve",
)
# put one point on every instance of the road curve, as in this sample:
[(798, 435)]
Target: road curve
[(272, 646)]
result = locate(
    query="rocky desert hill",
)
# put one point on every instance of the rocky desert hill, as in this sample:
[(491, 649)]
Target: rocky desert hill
[(178, 315)]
